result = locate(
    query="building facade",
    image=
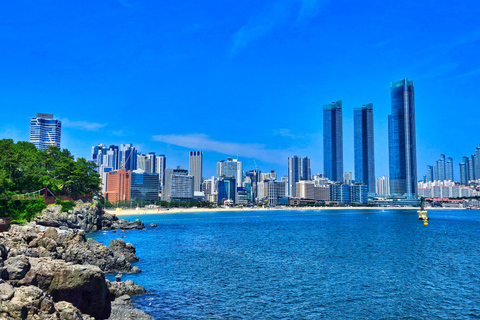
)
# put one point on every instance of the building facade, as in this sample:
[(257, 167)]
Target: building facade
[(45, 131), (160, 166), (382, 186), (333, 141), (293, 174), (231, 168), (144, 186), (178, 185), (364, 146), (127, 157), (401, 140), (196, 166)]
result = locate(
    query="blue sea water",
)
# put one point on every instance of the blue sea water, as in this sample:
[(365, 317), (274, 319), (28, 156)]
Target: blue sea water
[(325, 264)]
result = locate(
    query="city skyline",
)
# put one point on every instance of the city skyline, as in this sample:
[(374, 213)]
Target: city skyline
[(263, 60)]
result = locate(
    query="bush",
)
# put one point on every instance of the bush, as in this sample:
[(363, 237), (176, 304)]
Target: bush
[(66, 205)]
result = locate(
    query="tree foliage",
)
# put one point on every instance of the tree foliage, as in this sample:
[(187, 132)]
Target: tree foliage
[(25, 169)]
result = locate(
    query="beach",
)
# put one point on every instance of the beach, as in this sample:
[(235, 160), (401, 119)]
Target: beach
[(142, 211)]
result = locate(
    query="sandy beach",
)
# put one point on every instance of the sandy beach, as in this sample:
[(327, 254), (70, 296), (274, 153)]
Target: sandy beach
[(141, 211)]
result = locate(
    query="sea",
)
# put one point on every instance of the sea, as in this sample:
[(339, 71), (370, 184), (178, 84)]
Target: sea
[(312, 264)]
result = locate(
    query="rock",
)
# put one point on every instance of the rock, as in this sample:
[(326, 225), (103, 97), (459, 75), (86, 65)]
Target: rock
[(135, 269), (125, 225), (67, 311), (85, 216), (27, 302), (123, 309), (82, 285), (125, 287), (152, 225), (127, 249), (6, 291), (3, 252), (16, 267)]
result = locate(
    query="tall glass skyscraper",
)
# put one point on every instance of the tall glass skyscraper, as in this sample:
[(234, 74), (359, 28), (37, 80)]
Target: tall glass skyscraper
[(363, 146), (333, 141), (45, 131), (401, 140)]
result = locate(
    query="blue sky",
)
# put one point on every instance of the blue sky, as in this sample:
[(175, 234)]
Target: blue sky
[(239, 77)]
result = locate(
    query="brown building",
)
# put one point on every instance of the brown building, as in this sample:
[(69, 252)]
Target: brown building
[(118, 186)]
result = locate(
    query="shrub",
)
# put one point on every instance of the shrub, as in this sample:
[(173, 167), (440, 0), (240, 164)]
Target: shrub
[(66, 205)]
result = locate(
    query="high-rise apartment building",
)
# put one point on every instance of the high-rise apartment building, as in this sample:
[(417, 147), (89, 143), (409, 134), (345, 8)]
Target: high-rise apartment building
[(333, 141), (196, 163), (127, 157), (449, 169), (363, 146), (401, 140), (347, 178), (476, 165), (178, 185), (382, 186), (45, 131), (430, 176), (305, 169), (293, 174), (463, 172), (160, 166), (299, 169), (440, 168)]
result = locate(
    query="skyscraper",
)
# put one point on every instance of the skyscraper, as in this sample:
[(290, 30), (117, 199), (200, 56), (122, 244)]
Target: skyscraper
[(363, 146), (333, 141), (160, 166), (128, 157), (440, 168), (430, 176), (305, 169), (449, 169), (463, 172), (476, 165), (401, 140), (230, 168), (293, 174), (45, 131), (196, 163)]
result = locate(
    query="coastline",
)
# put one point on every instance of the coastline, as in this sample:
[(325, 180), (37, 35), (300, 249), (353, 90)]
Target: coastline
[(142, 212)]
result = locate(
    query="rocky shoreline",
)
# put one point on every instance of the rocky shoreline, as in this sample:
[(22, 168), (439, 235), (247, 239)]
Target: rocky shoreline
[(49, 270)]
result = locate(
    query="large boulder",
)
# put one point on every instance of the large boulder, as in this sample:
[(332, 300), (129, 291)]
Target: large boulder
[(25, 302), (123, 309), (120, 288), (127, 249), (15, 268), (82, 285)]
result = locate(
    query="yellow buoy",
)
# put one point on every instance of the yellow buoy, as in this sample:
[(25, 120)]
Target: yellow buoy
[(425, 222)]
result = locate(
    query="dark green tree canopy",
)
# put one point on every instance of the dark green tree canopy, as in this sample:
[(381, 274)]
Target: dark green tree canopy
[(23, 168)]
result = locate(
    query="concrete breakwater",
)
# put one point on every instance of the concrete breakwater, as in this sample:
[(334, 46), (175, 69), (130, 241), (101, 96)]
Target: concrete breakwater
[(49, 270)]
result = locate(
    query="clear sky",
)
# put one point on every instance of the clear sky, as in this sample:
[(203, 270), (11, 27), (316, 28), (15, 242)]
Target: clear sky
[(239, 77)]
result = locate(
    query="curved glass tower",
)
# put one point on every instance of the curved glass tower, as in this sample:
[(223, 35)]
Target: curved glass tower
[(401, 140), (45, 131)]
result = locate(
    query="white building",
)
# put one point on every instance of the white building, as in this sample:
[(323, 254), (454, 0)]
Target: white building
[(382, 186)]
